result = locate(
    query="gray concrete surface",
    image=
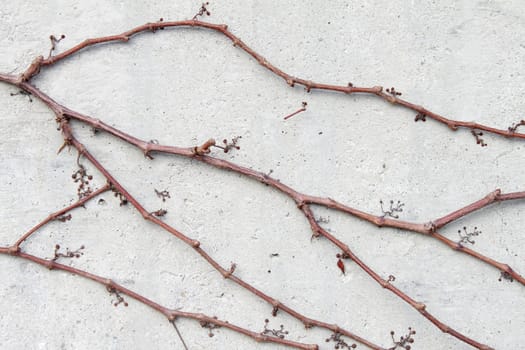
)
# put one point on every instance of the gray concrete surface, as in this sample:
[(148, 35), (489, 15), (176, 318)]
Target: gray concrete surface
[(463, 59)]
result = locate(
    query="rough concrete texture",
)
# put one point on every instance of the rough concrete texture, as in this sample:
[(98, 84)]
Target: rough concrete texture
[(463, 59)]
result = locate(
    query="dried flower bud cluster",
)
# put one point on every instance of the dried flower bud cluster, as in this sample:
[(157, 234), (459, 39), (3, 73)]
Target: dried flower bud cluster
[(404, 341), (82, 178), (340, 343), (279, 333)]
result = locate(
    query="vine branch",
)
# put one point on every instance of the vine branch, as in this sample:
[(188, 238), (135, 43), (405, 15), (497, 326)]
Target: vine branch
[(378, 91), (304, 201), (170, 314)]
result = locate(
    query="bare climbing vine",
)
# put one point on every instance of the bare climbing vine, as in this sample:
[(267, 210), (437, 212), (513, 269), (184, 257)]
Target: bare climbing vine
[(204, 153)]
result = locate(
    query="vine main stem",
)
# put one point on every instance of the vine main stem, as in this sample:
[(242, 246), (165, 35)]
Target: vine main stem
[(199, 153), (303, 201), (195, 244), (171, 314), (378, 91)]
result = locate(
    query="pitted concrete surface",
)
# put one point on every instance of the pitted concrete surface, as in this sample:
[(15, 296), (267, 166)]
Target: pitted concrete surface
[(462, 59)]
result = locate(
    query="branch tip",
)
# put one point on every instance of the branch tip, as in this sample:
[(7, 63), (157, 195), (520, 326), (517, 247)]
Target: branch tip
[(204, 148), (202, 11), (228, 273), (477, 135)]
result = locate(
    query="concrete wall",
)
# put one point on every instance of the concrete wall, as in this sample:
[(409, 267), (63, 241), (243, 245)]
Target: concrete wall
[(463, 59)]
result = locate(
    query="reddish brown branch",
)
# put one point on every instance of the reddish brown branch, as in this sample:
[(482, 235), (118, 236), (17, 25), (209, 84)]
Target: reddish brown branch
[(504, 268), (304, 204), (58, 214), (195, 244), (170, 314), (422, 112), (490, 198), (386, 283), (381, 221), (298, 197), (304, 201)]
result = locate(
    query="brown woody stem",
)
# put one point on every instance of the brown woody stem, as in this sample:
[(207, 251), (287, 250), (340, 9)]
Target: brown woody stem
[(61, 212), (424, 228), (298, 197), (226, 273), (304, 201), (169, 313), (289, 79), (420, 307)]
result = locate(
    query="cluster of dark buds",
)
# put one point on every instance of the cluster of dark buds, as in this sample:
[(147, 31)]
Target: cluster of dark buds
[(202, 11), (162, 194), (322, 220), (210, 326), (154, 29), (23, 93), (275, 309), (229, 145), (392, 91), (81, 176), (477, 135), (120, 298), (515, 126), (159, 213), (279, 333), (505, 276), (340, 343), (398, 208), (68, 254), (64, 218), (404, 341), (120, 196), (391, 278), (466, 237), (421, 116)]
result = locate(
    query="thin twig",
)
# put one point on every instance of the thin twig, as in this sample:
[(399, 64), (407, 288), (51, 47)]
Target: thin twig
[(59, 213), (180, 335), (300, 110), (428, 228)]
